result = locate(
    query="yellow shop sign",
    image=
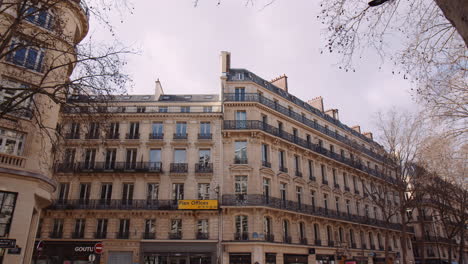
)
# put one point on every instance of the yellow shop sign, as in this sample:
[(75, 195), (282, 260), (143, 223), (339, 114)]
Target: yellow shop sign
[(198, 204)]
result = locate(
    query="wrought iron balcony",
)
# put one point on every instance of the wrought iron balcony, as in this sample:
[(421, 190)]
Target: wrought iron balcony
[(303, 241), (110, 204), (317, 242), (203, 235), (324, 182), (287, 239), (336, 185), (78, 234), (112, 136), (240, 160), (205, 136), (372, 247), (132, 136), (100, 235), (244, 236), (204, 168), (254, 97), (259, 125), (266, 164), (269, 237), (353, 245), (104, 167), (56, 234), (179, 168), (346, 188), (312, 178), (175, 235), (331, 243), (356, 192), (123, 235), (156, 136), (363, 246), (149, 235), (298, 173), (283, 169), (294, 206), (180, 136)]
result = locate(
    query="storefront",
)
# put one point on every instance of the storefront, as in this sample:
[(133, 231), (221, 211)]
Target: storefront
[(295, 259), (178, 253), (325, 259), (240, 258), (66, 252)]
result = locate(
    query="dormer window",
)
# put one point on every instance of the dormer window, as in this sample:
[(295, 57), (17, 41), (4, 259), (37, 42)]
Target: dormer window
[(126, 97)]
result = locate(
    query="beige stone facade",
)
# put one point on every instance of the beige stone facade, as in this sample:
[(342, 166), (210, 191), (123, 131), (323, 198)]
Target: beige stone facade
[(292, 182), (26, 184)]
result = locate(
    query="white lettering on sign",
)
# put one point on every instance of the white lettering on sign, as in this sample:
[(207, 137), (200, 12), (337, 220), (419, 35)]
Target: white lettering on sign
[(84, 249)]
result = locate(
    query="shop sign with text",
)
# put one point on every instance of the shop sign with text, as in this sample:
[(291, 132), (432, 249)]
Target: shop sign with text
[(198, 204)]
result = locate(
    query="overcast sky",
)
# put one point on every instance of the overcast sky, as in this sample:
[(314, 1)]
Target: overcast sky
[(180, 45)]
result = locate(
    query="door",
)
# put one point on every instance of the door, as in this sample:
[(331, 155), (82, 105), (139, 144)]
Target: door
[(120, 258)]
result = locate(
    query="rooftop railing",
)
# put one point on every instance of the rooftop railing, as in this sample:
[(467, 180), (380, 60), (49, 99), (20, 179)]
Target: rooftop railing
[(259, 125)]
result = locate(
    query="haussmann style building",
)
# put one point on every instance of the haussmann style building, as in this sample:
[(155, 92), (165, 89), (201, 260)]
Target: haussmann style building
[(26, 182), (250, 175)]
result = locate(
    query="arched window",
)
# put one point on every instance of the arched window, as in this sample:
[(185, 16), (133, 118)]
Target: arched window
[(330, 236), (317, 235), (302, 233), (286, 233), (268, 229), (242, 227)]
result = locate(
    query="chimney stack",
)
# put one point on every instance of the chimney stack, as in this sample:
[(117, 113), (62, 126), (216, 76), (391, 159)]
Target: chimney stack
[(158, 91), (225, 62), (317, 102), (281, 82), (333, 113), (356, 128)]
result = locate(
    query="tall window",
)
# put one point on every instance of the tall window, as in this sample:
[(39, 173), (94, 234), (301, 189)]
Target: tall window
[(239, 93), (266, 189), (340, 234), (282, 161), (69, 159), (371, 239), (366, 210), (348, 207), (79, 228), (240, 152), (311, 170), (113, 132), (127, 193), (267, 228), (150, 228), (101, 228), (40, 17), (90, 157), (203, 191), (153, 192), (106, 193), (64, 189), (325, 201), (202, 229), (155, 159), (355, 184), (205, 128), (323, 171), (110, 159), (204, 157), (351, 237), (316, 233), (265, 156), (312, 199), (180, 156), (26, 55), (124, 228), (286, 234), (93, 131), (185, 109), (299, 195), (345, 179), (130, 159), (85, 191), (11, 142), (297, 166), (283, 192), (74, 131), (242, 227), (337, 204), (329, 234), (58, 228), (240, 187), (335, 180), (7, 208), (177, 191), (157, 130), (241, 119), (302, 232), (134, 131), (176, 227), (358, 209)]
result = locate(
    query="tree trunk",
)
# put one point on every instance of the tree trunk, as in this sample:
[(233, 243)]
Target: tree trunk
[(456, 11)]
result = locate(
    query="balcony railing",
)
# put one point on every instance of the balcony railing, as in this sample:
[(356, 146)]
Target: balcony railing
[(100, 235), (269, 237), (111, 204), (372, 247), (277, 203), (312, 178), (331, 243), (204, 168), (283, 169), (78, 234), (202, 235), (11, 160), (259, 125), (353, 245), (325, 182), (317, 242), (149, 235), (123, 235), (175, 235), (179, 168), (132, 136), (346, 188), (356, 192), (180, 135), (287, 239), (298, 173), (156, 136), (56, 234), (240, 160), (103, 167), (363, 246), (253, 97), (241, 236), (336, 185), (266, 164), (205, 136), (112, 136), (303, 241)]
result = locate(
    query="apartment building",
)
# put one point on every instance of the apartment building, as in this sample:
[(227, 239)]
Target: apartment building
[(26, 183), (289, 183)]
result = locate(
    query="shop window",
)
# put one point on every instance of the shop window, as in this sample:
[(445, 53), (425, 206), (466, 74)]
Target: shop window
[(240, 258), (7, 208), (270, 258)]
